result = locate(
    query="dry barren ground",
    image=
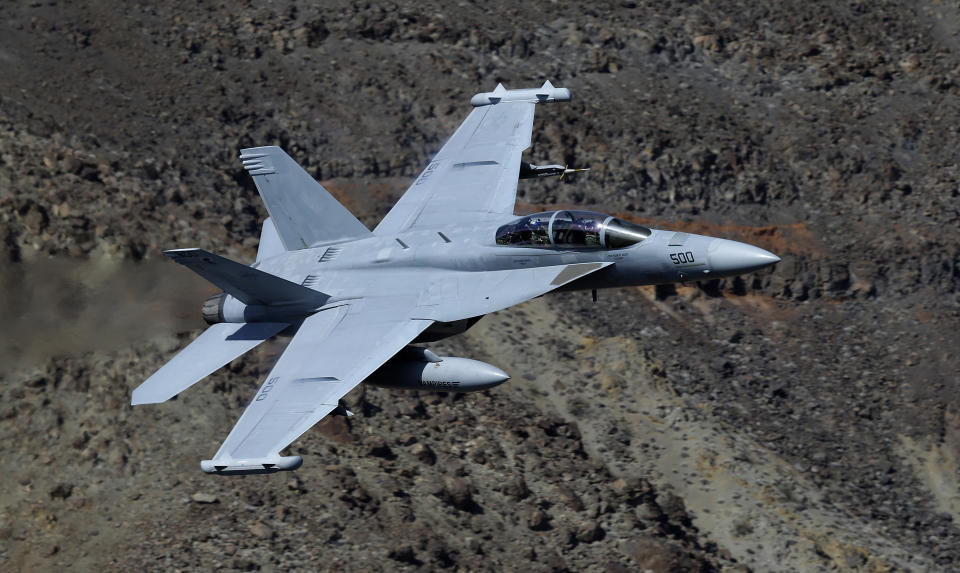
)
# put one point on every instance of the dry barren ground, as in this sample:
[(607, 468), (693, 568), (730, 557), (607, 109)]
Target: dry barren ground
[(804, 418)]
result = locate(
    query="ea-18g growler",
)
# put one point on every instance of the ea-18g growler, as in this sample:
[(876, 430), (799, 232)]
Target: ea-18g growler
[(450, 251)]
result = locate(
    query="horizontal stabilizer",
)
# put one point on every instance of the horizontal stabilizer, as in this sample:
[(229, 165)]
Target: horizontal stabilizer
[(218, 345), (303, 212), (246, 284)]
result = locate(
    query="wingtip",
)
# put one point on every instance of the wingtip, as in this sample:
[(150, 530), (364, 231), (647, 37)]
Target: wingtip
[(140, 400), (176, 253), (266, 465)]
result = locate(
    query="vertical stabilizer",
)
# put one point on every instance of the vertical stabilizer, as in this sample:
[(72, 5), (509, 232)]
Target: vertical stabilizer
[(303, 212), (270, 243)]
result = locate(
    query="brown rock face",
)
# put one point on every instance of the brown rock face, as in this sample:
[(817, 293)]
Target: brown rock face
[(423, 453), (457, 492), (537, 519), (589, 531)]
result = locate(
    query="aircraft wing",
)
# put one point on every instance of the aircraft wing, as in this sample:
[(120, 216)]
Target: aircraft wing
[(476, 171), (333, 351), (217, 346)]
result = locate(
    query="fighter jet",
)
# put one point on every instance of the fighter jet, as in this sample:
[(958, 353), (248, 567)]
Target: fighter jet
[(450, 251)]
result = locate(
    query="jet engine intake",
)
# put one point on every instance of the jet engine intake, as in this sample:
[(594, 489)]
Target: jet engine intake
[(450, 374)]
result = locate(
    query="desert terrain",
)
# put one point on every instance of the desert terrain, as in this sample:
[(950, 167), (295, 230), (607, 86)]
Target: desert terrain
[(803, 418)]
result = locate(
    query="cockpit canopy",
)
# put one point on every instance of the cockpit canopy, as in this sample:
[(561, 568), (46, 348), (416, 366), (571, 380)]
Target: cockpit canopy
[(571, 229)]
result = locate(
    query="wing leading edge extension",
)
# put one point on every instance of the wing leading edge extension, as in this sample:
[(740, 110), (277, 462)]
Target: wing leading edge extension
[(483, 293), (332, 352)]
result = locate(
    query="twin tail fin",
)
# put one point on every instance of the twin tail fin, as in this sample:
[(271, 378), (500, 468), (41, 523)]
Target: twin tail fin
[(303, 212)]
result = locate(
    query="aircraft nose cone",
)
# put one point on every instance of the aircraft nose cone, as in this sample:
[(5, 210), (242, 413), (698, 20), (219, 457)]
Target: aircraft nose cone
[(731, 258), (494, 374)]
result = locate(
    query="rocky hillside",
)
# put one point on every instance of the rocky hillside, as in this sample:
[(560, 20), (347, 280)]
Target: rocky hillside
[(804, 418)]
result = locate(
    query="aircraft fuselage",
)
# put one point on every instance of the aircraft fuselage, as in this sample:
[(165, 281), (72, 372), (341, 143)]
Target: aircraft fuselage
[(453, 256)]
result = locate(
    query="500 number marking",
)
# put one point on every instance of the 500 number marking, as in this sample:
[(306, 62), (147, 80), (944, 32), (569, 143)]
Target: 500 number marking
[(678, 258)]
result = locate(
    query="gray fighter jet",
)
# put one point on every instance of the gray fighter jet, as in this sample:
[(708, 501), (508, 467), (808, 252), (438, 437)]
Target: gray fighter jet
[(450, 251)]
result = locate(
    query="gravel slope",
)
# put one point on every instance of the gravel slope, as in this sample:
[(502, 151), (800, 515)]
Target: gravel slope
[(804, 418)]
